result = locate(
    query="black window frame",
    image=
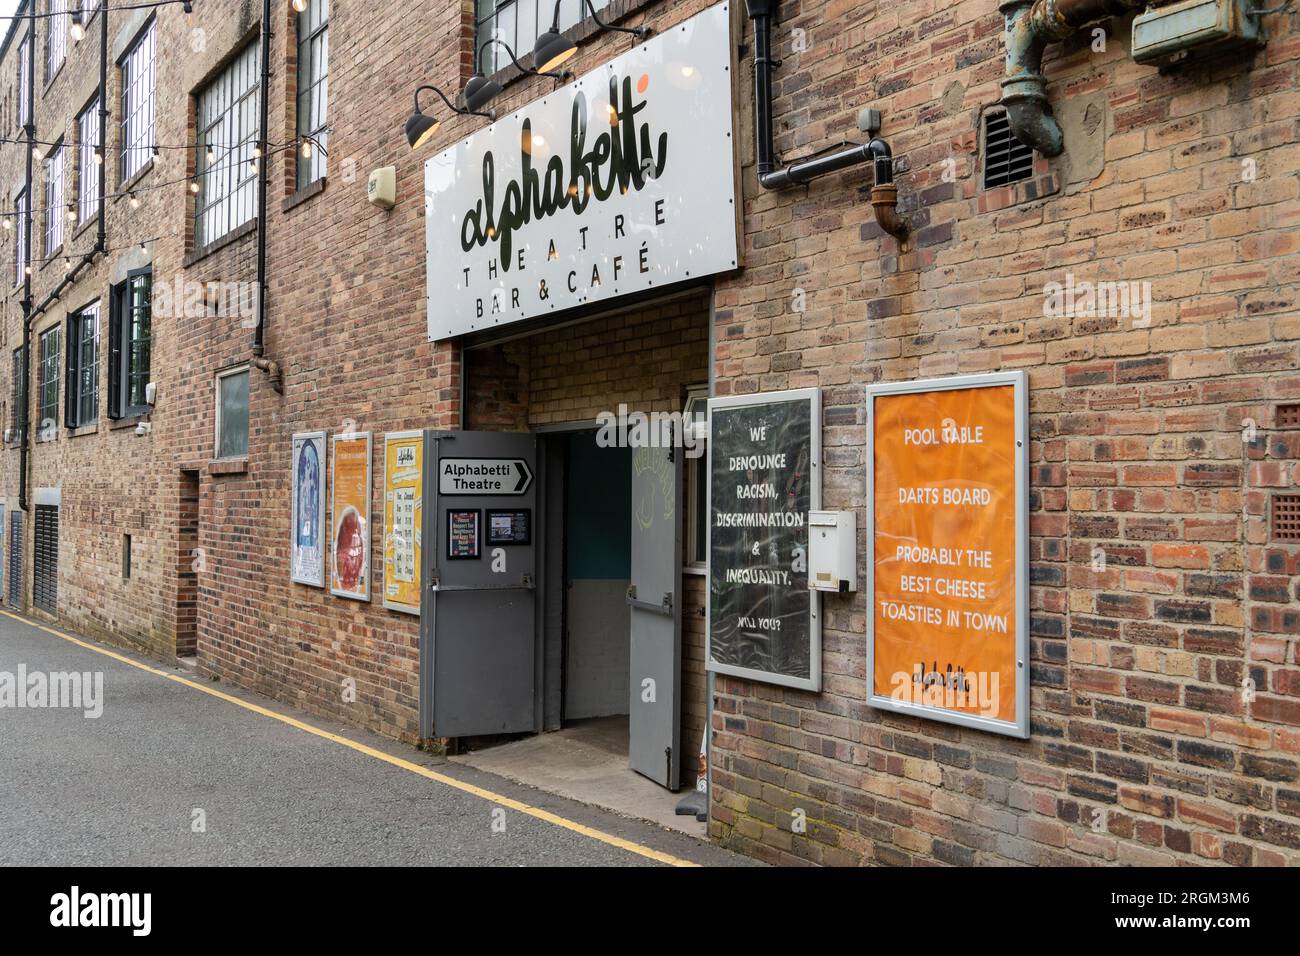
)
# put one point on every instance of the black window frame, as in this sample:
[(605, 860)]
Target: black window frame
[(18, 392), (82, 409), (121, 346), (48, 380), (310, 46)]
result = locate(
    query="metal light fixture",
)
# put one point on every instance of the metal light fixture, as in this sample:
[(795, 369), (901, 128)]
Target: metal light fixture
[(552, 48), (420, 127), (480, 90), (76, 30)]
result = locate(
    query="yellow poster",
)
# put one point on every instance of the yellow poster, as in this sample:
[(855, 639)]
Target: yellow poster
[(403, 487)]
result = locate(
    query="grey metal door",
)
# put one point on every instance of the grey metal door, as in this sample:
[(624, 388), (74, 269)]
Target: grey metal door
[(654, 720), (479, 606)]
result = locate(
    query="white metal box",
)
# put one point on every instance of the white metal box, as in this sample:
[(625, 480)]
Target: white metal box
[(833, 551), (1166, 34)]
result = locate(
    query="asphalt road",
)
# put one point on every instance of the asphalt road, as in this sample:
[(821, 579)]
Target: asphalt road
[(126, 788)]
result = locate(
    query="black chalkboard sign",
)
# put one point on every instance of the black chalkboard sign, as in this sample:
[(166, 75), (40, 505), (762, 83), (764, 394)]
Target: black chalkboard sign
[(764, 479)]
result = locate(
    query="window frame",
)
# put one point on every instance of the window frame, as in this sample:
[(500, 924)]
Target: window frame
[(232, 372), (76, 414), (48, 380), (697, 482), (314, 168), (543, 14), (53, 226), (121, 346), (89, 171), (22, 255), (18, 395), (25, 96), (56, 37), (227, 197), (138, 125)]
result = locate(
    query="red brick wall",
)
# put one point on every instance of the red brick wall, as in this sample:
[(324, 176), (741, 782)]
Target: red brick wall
[(1143, 748)]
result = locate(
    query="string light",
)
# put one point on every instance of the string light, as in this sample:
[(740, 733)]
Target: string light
[(194, 185), (135, 201), (300, 6), (306, 149)]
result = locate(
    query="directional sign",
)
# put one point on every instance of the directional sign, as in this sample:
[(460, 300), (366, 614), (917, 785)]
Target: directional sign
[(483, 476)]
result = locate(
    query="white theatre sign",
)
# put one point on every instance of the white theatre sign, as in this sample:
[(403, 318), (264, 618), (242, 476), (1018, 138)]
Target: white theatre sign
[(620, 182)]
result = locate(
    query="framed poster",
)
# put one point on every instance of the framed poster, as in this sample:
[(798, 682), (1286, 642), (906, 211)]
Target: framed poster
[(509, 525), (307, 517), (350, 516), (948, 550), (403, 509), (464, 542), (764, 472)]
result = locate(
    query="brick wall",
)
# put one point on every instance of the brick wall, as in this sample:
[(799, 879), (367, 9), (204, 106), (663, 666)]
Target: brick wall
[(1144, 748)]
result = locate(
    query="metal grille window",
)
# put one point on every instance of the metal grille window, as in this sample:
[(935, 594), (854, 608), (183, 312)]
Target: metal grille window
[(54, 211), (90, 161), (49, 383), (313, 87), (83, 367), (138, 104), (232, 413), (520, 22), (1006, 159), (21, 257), (16, 559), (56, 39), (227, 124), (45, 577)]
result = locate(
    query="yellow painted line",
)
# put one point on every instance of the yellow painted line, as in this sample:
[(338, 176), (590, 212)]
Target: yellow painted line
[(495, 798)]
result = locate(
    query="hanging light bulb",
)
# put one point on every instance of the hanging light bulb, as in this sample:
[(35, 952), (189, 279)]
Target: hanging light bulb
[(257, 151), (306, 148), (8, 225), (77, 31), (300, 6), (212, 155), (72, 214), (194, 185), (97, 156), (135, 201)]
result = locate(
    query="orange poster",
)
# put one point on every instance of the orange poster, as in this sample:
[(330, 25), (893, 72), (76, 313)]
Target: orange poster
[(350, 516), (403, 515), (947, 634)]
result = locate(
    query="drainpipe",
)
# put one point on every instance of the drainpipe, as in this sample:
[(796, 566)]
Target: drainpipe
[(771, 175), (26, 225), (271, 368), (1031, 25)]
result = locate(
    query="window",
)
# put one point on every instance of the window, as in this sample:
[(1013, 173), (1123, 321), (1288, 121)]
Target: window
[(83, 368), (49, 384), (232, 413), (1006, 159), (520, 22), (56, 37), (695, 417), (126, 556), (130, 344), (90, 161), (138, 104), (18, 387), (21, 258), (24, 87), (54, 211), (227, 129), (313, 87)]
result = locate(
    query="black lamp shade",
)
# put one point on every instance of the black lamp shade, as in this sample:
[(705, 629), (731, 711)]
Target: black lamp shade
[(480, 91), (552, 50), (420, 128)]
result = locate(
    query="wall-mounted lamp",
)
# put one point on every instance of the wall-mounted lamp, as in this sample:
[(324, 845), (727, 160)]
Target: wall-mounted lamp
[(420, 127), (480, 91), (552, 49)]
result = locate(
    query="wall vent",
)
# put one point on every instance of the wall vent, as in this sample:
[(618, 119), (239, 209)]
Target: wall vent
[(1006, 159), (1288, 416), (1286, 517)]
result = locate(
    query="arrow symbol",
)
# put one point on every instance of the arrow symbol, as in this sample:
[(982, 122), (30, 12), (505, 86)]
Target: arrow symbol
[(525, 476)]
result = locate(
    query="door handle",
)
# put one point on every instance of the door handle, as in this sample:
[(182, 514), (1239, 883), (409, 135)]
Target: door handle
[(664, 607)]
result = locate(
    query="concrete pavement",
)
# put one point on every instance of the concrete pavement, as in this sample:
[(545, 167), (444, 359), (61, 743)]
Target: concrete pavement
[(131, 786)]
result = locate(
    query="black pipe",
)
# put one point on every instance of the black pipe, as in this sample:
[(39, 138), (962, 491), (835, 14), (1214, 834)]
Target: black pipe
[(263, 107), (25, 432), (770, 175)]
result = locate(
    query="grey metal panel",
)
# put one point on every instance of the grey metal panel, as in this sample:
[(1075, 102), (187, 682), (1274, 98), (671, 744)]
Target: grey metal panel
[(16, 560), (551, 528), (45, 568), (655, 601), (478, 663)]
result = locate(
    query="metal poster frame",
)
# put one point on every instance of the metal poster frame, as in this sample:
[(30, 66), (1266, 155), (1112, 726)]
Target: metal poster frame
[(390, 604), (1019, 381), (813, 397), (369, 494), (293, 507)]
